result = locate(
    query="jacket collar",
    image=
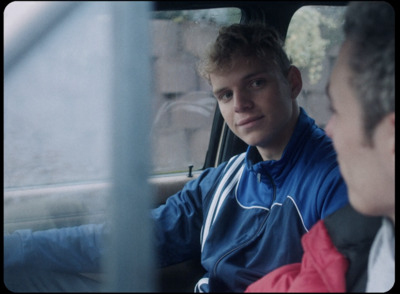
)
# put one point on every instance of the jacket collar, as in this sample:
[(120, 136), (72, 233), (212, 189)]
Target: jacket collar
[(275, 168)]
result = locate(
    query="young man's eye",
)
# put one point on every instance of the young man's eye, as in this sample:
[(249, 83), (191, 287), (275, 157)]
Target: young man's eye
[(225, 96), (257, 83)]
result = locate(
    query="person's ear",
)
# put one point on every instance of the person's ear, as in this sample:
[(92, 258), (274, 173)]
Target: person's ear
[(295, 81), (391, 118), (384, 139)]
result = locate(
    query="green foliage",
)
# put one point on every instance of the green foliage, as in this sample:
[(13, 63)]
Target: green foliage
[(219, 16), (312, 32)]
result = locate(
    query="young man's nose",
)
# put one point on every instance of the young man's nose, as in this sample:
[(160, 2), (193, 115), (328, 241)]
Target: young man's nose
[(242, 101)]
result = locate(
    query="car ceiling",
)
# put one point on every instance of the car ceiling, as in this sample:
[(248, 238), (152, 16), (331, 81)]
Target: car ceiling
[(275, 13)]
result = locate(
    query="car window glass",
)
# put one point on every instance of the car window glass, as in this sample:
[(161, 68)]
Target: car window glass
[(312, 42), (57, 118), (184, 105), (58, 102)]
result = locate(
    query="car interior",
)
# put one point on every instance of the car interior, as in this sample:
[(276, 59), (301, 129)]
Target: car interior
[(57, 126)]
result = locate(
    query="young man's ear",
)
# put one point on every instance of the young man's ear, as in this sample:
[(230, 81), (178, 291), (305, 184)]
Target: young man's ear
[(295, 81), (392, 135), (389, 138), (384, 139)]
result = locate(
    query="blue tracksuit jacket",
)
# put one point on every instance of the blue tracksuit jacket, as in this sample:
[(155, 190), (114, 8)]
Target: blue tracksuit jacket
[(247, 216), (244, 217)]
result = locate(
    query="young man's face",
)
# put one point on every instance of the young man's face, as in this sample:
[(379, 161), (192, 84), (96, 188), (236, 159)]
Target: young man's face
[(258, 104), (365, 168)]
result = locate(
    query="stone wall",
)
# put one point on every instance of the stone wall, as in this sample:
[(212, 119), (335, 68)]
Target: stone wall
[(181, 129)]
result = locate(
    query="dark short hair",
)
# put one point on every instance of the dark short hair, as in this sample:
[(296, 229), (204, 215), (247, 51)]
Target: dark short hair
[(369, 27), (247, 40)]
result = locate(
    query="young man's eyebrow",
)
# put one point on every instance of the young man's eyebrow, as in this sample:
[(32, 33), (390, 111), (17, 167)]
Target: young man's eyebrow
[(246, 77), (216, 92)]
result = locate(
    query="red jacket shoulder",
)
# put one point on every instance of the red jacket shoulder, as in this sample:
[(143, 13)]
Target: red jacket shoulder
[(322, 269)]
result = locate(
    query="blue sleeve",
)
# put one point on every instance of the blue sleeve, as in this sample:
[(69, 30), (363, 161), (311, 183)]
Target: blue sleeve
[(80, 249), (333, 193), (74, 249), (179, 221), (325, 188)]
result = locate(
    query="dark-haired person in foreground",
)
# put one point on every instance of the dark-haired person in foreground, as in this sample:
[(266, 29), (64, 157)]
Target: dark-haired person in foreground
[(338, 254)]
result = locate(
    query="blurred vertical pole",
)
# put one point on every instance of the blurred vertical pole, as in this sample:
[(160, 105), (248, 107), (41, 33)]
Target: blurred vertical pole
[(129, 263)]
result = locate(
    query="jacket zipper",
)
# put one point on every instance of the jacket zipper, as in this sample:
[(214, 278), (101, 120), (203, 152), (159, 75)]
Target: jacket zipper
[(257, 233)]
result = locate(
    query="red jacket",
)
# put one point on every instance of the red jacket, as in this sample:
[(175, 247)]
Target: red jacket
[(323, 268), (335, 257)]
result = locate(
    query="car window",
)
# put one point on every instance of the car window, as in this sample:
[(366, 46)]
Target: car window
[(313, 39), (57, 118), (58, 105), (184, 105)]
